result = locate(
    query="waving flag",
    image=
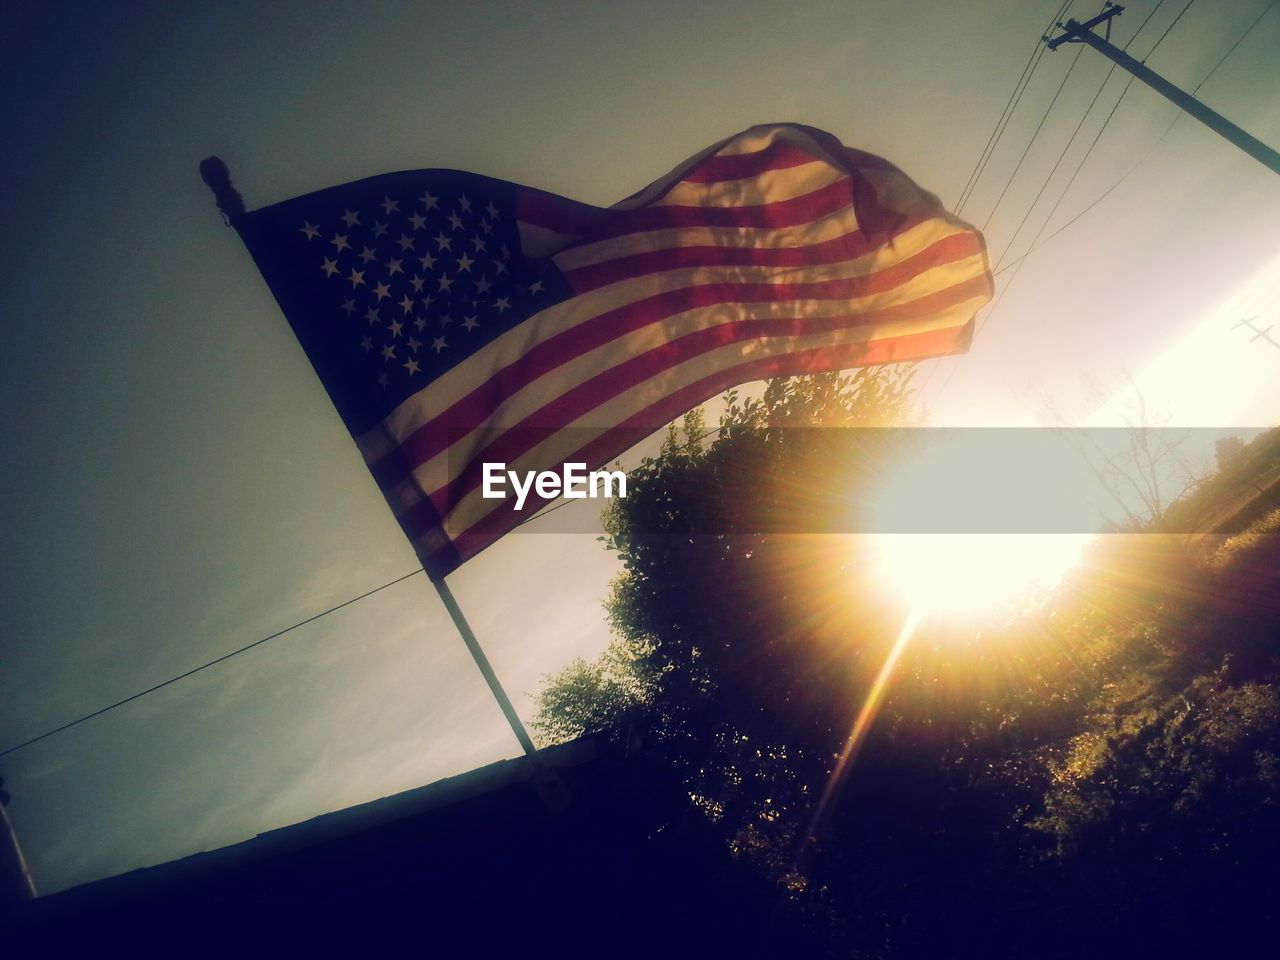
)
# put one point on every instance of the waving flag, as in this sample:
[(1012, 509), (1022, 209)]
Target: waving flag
[(456, 319)]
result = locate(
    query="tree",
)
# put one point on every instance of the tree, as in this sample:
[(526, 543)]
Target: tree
[(1142, 464), (709, 655), (744, 650)]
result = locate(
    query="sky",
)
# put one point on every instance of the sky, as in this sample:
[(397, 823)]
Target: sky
[(176, 484)]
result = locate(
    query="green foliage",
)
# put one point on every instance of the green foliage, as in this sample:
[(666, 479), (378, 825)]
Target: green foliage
[(598, 697)]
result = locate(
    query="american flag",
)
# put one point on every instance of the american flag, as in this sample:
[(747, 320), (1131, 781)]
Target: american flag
[(456, 319)]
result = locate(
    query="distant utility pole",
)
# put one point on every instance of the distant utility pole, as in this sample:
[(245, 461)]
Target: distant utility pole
[(1083, 33), (1257, 334)]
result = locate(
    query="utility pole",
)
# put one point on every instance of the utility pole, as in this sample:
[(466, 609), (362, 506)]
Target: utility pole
[(1257, 334), (1083, 33)]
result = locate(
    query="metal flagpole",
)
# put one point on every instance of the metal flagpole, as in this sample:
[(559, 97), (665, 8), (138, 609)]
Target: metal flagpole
[(16, 884), (469, 638), (218, 178)]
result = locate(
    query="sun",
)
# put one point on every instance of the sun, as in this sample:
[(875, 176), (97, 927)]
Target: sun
[(975, 571)]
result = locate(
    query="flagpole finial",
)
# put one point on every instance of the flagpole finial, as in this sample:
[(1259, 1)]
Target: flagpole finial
[(215, 173)]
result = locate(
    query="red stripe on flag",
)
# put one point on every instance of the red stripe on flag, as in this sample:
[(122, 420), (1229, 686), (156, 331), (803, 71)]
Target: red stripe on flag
[(779, 155), (847, 247), (780, 213)]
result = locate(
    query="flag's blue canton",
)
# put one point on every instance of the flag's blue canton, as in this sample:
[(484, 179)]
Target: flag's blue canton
[(389, 282)]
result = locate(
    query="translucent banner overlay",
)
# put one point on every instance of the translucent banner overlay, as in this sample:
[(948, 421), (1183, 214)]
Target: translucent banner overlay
[(906, 480)]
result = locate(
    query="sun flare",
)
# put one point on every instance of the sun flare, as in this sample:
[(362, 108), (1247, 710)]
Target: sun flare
[(973, 572)]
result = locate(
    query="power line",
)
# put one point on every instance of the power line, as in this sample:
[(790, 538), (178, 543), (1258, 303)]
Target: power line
[(1010, 107), (1074, 133), (1240, 39), (1106, 193), (1150, 150), (1017, 264), (1097, 136), (1000, 296), (997, 133), (1080, 165), (205, 666), (1169, 27), (1044, 186), (1030, 143)]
